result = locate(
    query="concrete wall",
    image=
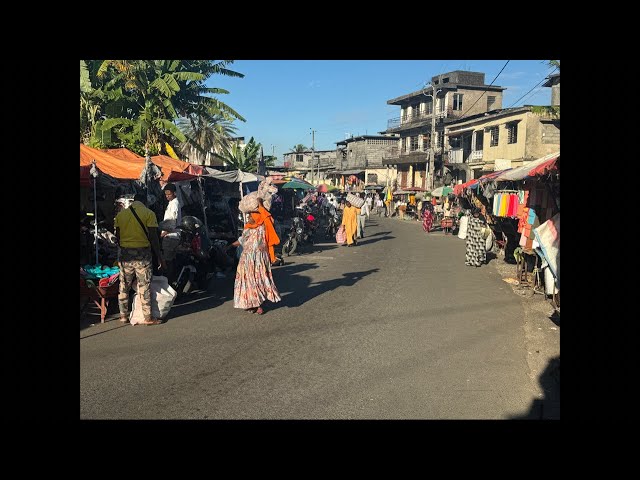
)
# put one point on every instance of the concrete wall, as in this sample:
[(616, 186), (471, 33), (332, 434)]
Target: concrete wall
[(469, 99), (368, 152)]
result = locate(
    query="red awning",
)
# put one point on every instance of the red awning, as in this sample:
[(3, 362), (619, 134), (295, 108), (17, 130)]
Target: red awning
[(548, 166)]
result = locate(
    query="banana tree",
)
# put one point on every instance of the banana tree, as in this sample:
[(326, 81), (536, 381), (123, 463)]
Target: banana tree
[(241, 158)]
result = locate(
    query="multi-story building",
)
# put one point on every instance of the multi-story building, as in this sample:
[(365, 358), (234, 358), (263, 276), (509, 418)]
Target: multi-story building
[(457, 94), (302, 163), (503, 138), (500, 139), (362, 156)]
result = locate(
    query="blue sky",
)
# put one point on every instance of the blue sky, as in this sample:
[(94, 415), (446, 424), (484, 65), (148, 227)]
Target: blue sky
[(283, 100)]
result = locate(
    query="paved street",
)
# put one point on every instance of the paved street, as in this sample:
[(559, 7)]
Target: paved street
[(395, 328)]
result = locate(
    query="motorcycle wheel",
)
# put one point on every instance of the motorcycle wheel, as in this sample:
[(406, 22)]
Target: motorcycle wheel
[(185, 285), (289, 246)]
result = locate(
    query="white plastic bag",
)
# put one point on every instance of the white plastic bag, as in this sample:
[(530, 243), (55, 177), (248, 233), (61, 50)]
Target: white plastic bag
[(162, 297), (464, 224)]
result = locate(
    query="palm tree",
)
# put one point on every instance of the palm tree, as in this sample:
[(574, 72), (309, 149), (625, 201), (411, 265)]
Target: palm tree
[(205, 137), (241, 158), (299, 148), (160, 92)]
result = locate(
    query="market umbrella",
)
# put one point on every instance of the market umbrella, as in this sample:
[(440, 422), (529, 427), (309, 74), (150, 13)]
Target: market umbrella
[(297, 184), (441, 191)]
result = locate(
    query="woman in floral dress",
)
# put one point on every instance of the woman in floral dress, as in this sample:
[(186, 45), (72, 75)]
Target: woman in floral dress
[(254, 281), (427, 216)]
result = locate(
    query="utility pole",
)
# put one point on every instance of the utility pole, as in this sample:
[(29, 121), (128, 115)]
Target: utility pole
[(433, 135), (313, 150)]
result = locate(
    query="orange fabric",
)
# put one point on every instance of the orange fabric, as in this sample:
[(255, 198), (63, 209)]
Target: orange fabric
[(270, 232), (110, 164), (264, 217)]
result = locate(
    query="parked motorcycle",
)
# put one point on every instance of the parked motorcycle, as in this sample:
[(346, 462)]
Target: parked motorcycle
[(302, 231), (193, 260)]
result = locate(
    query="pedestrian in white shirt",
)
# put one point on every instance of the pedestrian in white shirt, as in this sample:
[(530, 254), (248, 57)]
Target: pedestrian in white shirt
[(364, 213), (169, 234)]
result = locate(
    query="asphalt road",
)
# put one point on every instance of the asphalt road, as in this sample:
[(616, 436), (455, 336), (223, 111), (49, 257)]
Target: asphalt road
[(395, 328)]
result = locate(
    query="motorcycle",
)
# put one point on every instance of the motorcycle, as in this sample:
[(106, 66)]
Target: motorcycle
[(303, 227), (193, 257)]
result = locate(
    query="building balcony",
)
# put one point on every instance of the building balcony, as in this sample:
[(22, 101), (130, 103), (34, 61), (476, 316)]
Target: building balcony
[(421, 118), (475, 157)]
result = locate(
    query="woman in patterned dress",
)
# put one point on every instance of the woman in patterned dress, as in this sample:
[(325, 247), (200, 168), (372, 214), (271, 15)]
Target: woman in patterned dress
[(427, 216), (254, 282), (476, 253)]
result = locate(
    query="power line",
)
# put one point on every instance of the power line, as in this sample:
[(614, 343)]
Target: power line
[(554, 70), (486, 89)]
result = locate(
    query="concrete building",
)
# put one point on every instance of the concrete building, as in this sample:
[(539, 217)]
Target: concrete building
[(301, 163), (554, 83), (362, 157), (457, 94), (500, 139)]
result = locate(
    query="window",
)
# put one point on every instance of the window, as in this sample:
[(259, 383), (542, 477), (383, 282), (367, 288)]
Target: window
[(426, 142), (512, 132), (494, 136), (428, 107), (299, 157), (479, 139), (445, 80), (414, 143), (455, 141), (372, 178), (457, 101), (491, 101), (415, 110)]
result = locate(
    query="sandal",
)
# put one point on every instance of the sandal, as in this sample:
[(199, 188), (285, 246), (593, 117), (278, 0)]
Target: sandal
[(259, 311), (153, 321), (124, 319), (251, 310)]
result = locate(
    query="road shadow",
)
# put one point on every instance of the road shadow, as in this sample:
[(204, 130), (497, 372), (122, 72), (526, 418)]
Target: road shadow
[(547, 407), (365, 240), (555, 317), (377, 233), (296, 290)]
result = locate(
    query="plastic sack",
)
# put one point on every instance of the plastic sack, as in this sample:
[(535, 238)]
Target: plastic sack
[(162, 297), (464, 225), (341, 235)]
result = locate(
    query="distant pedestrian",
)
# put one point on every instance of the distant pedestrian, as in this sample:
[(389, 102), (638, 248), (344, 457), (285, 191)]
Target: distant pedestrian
[(362, 216), (476, 253), (427, 216), (350, 222)]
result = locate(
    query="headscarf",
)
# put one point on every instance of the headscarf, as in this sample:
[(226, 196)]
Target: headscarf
[(257, 217)]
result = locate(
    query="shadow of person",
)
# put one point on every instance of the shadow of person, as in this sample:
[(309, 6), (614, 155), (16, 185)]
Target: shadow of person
[(301, 289), (548, 407)]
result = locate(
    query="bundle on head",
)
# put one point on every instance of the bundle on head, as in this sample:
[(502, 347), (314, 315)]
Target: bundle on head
[(249, 203), (266, 189)]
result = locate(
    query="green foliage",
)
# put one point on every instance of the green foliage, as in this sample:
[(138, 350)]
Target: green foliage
[(140, 101), (299, 148), (238, 158), (546, 111)]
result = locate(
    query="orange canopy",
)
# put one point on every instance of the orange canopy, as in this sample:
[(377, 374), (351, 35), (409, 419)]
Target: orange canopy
[(168, 165), (110, 164)]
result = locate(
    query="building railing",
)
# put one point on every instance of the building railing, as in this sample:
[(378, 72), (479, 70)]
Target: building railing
[(456, 155), (410, 119), (476, 155)]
